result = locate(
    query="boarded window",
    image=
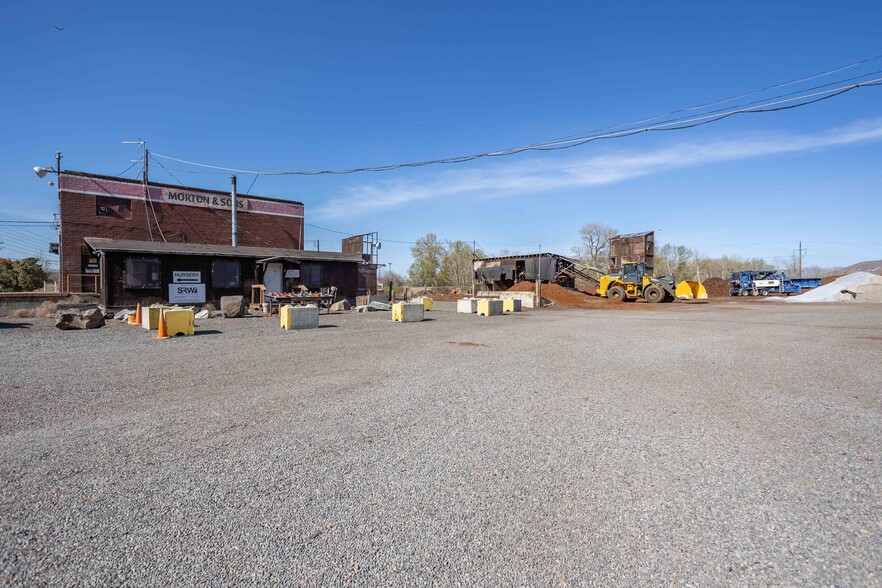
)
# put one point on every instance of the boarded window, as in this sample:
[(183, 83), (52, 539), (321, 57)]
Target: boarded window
[(311, 275), (115, 207), (225, 274), (142, 273)]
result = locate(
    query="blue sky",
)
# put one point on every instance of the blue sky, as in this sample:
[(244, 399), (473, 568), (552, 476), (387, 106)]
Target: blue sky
[(303, 86)]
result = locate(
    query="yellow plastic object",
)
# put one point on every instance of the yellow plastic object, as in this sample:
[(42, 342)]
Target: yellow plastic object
[(427, 303), (179, 322), (689, 290), (150, 317), (285, 317), (489, 307), (511, 305), (398, 312)]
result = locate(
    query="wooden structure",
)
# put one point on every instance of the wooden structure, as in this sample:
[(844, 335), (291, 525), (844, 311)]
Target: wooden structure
[(149, 271), (635, 247)]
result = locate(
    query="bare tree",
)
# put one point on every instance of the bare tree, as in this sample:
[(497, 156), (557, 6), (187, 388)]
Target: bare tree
[(456, 266), (593, 248)]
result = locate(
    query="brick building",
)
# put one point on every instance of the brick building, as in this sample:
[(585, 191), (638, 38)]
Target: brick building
[(131, 243)]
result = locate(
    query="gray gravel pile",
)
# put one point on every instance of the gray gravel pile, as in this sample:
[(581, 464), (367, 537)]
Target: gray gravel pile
[(682, 445)]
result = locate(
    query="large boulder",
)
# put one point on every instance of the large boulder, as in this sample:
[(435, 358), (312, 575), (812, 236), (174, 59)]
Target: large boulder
[(233, 306), (72, 319), (341, 306)]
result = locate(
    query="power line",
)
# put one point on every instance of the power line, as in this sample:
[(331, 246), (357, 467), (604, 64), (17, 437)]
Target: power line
[(330, 230), (216, 213), (775, 105)]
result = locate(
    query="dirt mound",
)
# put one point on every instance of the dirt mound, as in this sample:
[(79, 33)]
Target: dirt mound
[(557, 294), (716, 287)]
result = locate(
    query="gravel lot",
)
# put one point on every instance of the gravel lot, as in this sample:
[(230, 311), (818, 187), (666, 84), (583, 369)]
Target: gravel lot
[(721, 444)]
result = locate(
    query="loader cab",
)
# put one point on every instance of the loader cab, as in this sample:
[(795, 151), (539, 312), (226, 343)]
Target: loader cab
[(632, 273)]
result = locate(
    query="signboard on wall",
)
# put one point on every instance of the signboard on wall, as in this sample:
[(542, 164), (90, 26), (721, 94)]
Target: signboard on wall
[(186, 293), (292, 273), (187, 277)]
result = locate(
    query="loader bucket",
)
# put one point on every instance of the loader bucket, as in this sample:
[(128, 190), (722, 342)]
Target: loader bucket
[(688, 290)]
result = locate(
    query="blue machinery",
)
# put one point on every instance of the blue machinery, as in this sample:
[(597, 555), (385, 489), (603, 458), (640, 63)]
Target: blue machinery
[(765, 282)]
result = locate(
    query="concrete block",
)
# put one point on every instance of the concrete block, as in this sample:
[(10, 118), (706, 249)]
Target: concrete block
[(467, 306), (408, 312), (528, 299), (511, 305), (299, 317), (179, 322), (489, 307), (150, 317), (427, 302)]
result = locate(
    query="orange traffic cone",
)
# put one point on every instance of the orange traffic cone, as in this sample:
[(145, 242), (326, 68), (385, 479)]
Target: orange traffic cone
[(138, 315), (160, 333)]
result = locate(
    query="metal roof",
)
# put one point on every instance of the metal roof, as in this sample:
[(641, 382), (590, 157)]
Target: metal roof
[(199, 249), (630, 235)]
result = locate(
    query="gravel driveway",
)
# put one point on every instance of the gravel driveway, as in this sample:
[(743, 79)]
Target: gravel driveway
[(699, 445)]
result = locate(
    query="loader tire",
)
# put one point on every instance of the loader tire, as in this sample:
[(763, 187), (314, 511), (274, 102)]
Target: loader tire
[(654, 294), (616, 293)]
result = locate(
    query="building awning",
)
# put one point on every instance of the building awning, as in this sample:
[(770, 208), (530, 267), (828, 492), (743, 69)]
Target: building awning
[(198, 249)]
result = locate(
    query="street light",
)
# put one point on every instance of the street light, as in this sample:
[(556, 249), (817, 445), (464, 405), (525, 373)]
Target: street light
[(43, 171)]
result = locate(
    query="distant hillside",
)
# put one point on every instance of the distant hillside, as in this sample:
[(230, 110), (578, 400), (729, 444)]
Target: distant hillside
[(864, 266)]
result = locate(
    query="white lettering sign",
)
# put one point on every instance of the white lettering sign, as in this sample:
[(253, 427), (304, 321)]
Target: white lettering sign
[(186, 277), (186, 293), (292, 273)]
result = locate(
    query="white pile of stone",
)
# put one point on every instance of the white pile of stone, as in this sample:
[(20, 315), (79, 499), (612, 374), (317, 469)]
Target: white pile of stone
[(856, 287)]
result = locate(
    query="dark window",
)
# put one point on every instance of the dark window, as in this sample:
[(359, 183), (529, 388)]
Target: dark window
[(311, 275), (115, 207), (142, 273), (225, 274)]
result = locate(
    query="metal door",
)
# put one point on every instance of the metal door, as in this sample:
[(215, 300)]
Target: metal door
[(272, 277)]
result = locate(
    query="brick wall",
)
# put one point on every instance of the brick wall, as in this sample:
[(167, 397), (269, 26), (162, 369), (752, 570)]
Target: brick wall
[(179, 223)]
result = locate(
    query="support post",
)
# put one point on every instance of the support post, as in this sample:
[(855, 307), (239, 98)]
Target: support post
[(234, 206), (539, 278)]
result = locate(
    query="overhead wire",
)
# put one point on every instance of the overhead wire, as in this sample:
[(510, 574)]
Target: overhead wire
[(773, 105), (212, 209)]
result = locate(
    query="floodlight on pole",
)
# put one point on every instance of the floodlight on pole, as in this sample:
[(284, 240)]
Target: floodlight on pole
[(43, 171)]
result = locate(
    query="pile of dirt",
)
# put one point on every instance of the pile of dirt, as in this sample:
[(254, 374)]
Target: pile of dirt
[(716, 287), (557, 294)]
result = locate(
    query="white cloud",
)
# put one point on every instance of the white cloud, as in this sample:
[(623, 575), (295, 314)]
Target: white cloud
[(533, 175)]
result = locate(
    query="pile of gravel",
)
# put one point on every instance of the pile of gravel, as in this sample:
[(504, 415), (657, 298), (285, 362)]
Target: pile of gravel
[(832, 292)]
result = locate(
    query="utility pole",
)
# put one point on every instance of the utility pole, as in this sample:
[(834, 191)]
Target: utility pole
[(147, 190), (60, 242), (233, 213), (801, 251), (539, 278)]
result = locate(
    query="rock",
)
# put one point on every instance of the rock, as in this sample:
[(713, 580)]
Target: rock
[(73, 319), (342, 305), (123, 315), (202, 314), (232, 306)]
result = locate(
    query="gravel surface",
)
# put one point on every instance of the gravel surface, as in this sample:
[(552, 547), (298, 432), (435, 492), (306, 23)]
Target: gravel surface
[(728, 444)]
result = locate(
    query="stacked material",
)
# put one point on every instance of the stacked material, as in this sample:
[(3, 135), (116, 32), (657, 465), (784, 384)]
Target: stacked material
[(716, 287), (857, 287), (557, 294)]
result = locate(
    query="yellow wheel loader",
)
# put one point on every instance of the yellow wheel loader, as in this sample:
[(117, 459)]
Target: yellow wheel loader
[(633, 282)]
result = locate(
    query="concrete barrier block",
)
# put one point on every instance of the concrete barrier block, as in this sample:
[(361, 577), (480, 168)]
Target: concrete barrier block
[(150, 317), (489, 307), (408, 312), (179, 322), (427, 302), (511, 305), (299, 317), (467, 306)]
